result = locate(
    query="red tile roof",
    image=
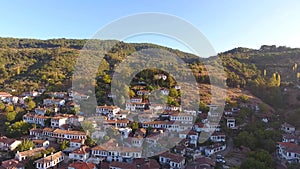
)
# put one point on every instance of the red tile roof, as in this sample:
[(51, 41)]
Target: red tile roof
[(122, 165), (173, 157), (50, 158), (82, 165), (290, 147)]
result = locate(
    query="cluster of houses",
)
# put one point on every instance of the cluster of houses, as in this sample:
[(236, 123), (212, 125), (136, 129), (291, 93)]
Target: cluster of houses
[(288, 149), (158, 125)]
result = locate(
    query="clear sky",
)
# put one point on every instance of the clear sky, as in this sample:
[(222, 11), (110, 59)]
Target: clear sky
[(225, 23)]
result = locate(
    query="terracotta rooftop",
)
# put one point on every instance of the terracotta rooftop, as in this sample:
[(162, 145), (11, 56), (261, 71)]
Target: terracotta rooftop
[(13, 163), (146, 163), (122, 165), (82, 150), (50, 158), (70, 132), (173, 157), (108, 107), (116, 121), (115, 147), (159, 122), (31, 152), (38, 141), (76, 141), (290, 147), (6, 140), (4, 94), (82, 165)]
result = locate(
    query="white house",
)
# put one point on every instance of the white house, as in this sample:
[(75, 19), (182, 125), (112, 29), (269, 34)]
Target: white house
[(125, 131), (41, 143), (288, 128), (170, 125), (215, 148), (135, 100), (76, 143), (175, 161), (57, 134), (81, 154), (40, 111), (143, 92), (289, 151), (48, 102), (290, 138), (20, 156), (191, 135), (105, 110), (136, 141), (49, 161), (265, 120), (230, 122), (58, 121), (8, 144), (172, 108), (117, 123), (218, 137), (60, 95), (113, 152), (182, 118), (35, 119), (133, 106)]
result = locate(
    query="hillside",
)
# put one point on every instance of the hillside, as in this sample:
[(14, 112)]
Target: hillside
[(32, 64)]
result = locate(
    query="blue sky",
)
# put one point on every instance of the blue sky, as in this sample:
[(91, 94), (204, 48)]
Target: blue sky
[(226, 24)]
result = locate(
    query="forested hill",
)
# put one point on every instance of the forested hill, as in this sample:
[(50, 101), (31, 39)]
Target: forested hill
[(30, 64)]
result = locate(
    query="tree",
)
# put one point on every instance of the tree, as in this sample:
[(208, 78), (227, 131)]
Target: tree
[(90, 142), (244, 98), (9, 108), (65, 144), (251, 163), (173, 92), (2, 106), (106, 138), (11, 116), (48, 151), (88, 126), (30, 105), (134, 126), (245, 138), (131, 93), (203, 107), (25, 145), (3, 71), (18, 129), (258, 160), (106, 79)]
